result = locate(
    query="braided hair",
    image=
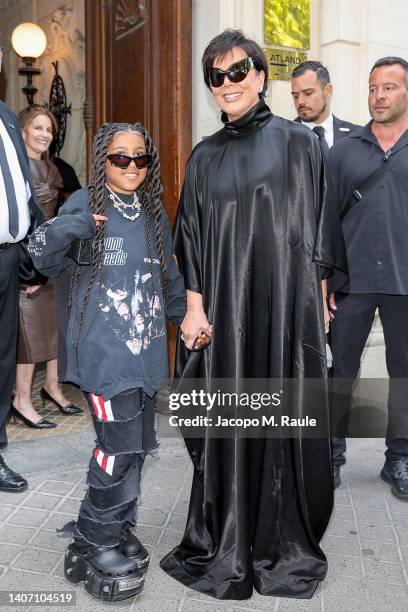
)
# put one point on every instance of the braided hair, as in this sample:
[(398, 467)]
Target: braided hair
[(149, 192)]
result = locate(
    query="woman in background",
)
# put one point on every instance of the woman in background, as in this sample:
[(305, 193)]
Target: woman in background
[(38, 328)]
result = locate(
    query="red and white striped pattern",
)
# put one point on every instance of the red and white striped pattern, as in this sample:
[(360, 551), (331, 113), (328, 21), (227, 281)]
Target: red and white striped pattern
[(102, 408), (105, 461)]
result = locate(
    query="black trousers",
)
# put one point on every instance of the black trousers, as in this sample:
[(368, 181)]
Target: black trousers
[(349, 332), (9, 328), (125, 433)]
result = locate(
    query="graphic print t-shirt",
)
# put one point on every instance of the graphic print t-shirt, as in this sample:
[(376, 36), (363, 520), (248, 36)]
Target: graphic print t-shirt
[(122, 343), (129, 304)]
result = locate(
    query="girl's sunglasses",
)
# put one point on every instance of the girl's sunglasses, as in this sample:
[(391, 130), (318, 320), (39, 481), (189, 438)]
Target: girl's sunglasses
[(119, 160), (236, 72)]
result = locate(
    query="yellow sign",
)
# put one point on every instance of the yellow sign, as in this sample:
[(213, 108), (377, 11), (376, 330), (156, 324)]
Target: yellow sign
[(282, 63), (287, 23)]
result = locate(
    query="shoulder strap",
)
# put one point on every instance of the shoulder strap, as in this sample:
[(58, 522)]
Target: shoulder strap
[(374, 178)]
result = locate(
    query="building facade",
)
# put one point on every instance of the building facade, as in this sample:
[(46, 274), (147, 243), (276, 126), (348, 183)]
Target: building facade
[(346, 35)]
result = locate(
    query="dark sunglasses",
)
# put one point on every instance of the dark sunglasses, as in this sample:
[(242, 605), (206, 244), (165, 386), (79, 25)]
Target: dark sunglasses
[(119, 160), (236, 72)]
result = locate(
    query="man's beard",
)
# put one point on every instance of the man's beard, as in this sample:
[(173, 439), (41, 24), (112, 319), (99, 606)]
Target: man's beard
[(392, 114), (390, 117), (315, 117)]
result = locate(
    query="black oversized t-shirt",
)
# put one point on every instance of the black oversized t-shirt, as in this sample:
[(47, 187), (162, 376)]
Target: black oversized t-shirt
[(121, 342)]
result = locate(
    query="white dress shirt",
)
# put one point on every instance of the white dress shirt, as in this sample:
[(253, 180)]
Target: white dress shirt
[(22, 191), (328, 129)]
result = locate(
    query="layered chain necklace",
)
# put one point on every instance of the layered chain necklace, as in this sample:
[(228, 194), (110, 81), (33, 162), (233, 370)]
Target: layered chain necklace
[(129, 210)]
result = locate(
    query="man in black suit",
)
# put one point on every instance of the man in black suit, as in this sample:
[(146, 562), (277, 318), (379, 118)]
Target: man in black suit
[(312, 93), (18, 214)]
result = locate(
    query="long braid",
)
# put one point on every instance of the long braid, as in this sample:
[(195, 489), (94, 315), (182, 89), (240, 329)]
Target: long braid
[(155, 189), (148, 232), (97, 201), (97, 205)]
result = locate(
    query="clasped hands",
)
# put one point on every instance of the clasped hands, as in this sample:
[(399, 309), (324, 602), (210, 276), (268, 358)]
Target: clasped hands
[(196, 332)]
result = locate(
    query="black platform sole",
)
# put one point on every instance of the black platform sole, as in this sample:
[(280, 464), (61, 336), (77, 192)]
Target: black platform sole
[(101, 586)]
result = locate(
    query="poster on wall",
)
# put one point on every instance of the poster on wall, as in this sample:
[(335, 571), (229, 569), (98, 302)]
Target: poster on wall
[(287, 23)]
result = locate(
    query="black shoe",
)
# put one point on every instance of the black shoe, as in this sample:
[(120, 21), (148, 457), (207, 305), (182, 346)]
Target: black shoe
[(42, 424), (134, 549), (107, 574), (396, 474), (71, 409), (336, 476), (11, 481)]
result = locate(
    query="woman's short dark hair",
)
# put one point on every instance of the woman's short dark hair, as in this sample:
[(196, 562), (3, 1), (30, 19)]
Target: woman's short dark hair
[(222, 44)]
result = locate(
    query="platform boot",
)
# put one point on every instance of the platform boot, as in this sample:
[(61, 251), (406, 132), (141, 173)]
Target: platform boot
[(107, 573)]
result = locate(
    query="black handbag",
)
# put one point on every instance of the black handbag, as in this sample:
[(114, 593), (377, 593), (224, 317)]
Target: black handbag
[(27, 273), (81, 251)]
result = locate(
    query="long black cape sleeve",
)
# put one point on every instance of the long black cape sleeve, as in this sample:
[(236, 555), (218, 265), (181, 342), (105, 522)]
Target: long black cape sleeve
[(187, 236)]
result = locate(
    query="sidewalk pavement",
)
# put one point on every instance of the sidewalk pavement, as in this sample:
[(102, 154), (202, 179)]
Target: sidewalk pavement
[(366, 543)]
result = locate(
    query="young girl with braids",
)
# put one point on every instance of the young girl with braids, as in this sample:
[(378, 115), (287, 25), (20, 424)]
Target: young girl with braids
[(115, 341)]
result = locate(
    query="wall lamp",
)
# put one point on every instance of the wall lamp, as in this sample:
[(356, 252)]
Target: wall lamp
[(29, 42)]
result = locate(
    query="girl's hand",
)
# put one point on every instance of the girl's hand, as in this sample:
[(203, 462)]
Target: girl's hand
[(32, 289), (193, 324), (99, 219)]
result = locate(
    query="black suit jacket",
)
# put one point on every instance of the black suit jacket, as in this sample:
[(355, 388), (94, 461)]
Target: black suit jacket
[(13, 128), (340, 128)]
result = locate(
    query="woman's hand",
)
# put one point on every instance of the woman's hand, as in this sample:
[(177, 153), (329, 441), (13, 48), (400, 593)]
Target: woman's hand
[(32, 289), (99, 219), (195, 322)]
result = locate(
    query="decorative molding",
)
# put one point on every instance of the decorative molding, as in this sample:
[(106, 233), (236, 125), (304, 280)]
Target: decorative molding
[(129, 15), (63, 33)]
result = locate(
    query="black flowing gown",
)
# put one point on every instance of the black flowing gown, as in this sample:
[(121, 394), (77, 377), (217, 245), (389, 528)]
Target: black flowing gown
[(252, 236)]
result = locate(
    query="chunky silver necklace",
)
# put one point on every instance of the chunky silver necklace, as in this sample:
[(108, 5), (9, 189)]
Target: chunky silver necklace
[(121, 206)]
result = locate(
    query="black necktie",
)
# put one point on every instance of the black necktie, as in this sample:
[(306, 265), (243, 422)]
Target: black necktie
[(11, 194), (324, 147)]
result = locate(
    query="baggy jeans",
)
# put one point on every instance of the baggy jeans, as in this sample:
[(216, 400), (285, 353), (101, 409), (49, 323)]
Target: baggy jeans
[(124, 427)]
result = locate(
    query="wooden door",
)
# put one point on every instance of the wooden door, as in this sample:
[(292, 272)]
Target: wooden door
[(138, 68)]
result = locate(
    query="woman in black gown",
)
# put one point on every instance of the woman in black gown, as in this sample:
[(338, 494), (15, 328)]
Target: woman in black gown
[(252, 238)]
